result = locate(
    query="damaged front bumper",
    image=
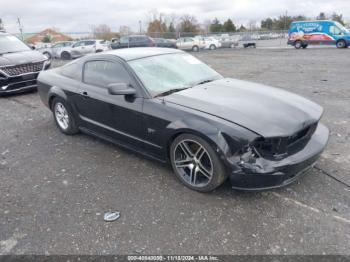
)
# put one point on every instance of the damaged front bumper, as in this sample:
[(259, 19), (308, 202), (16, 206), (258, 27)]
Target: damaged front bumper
[(273, 174)]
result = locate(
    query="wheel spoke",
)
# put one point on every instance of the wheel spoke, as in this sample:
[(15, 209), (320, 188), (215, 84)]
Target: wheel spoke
[(200, 152), (183, 163), (204, 171), (193, 175), (187, 151)]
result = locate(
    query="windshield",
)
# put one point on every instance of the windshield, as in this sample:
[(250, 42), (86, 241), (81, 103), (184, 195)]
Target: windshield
[(11, 44), (172, 71), (341, 27)]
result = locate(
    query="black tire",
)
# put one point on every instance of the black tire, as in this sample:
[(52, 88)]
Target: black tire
[(341, 44), (66, 56), (98, 51), (298, 44), (218, 173), (48, 55), (304, 46), (212, 47), (195, 48), (72, 128)]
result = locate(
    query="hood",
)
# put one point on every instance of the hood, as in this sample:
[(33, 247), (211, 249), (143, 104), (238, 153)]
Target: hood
[(268, 111), (18, 58)]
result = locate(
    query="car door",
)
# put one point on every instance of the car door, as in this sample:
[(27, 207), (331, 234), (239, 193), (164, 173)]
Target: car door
[(124, 42), (116, 116), (56, 49), (78, 48), (89, 47)]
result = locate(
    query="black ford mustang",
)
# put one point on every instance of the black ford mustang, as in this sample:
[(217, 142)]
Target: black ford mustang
[(170, 106)]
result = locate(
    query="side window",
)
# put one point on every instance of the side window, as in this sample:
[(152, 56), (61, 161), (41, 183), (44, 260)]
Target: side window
[(58, 45), (79, 44), (89, 43), (334, 30), (103, 73), (72, 70), (124, 40)]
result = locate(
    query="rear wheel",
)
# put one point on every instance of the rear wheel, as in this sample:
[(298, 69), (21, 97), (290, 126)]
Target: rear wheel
[(212, 47), (63, 117), (66, 56), (196, 164), (298, 44), (341, 44), (195, 48)]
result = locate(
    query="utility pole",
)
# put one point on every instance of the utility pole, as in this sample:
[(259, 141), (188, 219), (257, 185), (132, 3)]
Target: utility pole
[(140, 25), (285, 20), (20, 27)]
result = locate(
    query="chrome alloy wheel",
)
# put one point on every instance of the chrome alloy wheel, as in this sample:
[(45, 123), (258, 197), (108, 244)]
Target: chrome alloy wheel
[(61, 115), (193, 163)]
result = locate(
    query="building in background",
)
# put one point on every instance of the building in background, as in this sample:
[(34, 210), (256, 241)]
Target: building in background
[(48, 35)]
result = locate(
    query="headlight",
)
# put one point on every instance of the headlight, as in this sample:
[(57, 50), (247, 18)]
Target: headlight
[(248, 155)]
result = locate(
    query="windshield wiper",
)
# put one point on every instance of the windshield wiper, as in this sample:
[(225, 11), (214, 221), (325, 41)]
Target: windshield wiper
[(170, 91), (203, 82)]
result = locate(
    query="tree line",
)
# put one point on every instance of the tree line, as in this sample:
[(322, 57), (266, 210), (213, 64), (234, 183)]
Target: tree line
[(189, 24)]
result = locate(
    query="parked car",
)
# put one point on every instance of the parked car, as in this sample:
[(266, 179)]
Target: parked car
[(55, 50), (19, 65), (190, 43), (133, 41), (229, 42), (211, 43), (161, 42), (172, 107), (84, 47), (328, 32)]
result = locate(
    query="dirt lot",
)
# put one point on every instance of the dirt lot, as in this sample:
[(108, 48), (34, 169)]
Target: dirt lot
[(55, 189)]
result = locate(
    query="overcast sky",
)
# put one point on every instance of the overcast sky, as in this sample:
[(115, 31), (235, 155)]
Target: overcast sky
[(80, 15)]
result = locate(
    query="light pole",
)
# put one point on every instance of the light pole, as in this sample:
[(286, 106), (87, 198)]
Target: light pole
[(140, 24)]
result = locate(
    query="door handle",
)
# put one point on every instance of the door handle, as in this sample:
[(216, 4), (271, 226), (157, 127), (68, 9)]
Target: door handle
[(84, 94)]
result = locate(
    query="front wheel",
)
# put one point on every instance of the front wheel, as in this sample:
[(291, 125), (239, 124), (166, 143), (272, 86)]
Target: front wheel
[(66, 56), (63, 117), (212, 47), (195, 48), (341, 44), (196, 164), (298, 44)]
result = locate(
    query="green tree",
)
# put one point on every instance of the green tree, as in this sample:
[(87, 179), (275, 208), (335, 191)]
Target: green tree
[(1, 25), (321, 16), (171, 27), (229, 26), (215, 26), (242, 28), (338, 18), (267, 23), (46, 39)]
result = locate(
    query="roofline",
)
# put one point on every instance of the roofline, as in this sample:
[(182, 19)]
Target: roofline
[(313, 21)]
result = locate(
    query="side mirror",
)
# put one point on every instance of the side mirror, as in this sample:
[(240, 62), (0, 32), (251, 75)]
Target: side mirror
[(121, 89)]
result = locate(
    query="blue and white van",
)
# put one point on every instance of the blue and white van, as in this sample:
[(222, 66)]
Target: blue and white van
[(321, 32)]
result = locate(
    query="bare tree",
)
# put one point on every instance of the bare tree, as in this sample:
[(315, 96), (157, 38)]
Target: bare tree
[(124, 30), (102, 31)]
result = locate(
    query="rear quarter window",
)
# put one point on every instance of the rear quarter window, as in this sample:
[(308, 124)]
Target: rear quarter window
[(72, 70)]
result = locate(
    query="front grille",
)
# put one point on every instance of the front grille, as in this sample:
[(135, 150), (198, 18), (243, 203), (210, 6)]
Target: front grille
[(278, 147), (23, 69)]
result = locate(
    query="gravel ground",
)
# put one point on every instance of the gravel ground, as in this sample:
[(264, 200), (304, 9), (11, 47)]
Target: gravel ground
[(55, 189)]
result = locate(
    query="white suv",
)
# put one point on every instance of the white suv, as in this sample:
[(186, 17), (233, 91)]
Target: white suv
[(84, 47)]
